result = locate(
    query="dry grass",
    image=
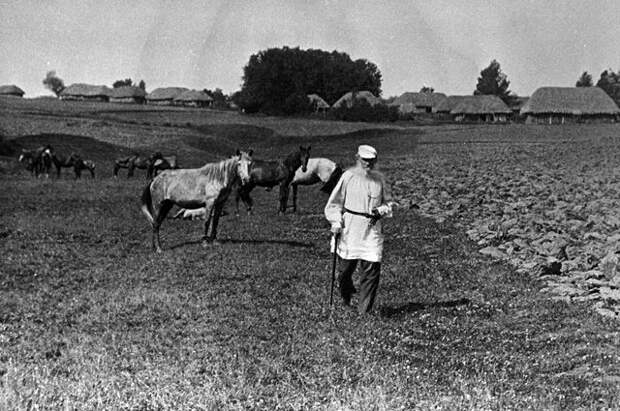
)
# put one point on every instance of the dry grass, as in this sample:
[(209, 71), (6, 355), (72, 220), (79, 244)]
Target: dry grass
[(91, 319)]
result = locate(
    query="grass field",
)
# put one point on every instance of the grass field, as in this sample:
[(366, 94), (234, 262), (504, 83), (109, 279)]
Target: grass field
[(90, 318)]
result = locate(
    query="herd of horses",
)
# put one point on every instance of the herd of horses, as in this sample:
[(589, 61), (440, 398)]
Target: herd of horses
[(39, 162), (201, 192)]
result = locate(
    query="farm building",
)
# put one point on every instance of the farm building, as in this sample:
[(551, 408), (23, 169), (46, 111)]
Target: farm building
[(193, 98), (485, 108), (410, 102), (164, 95), (516, 104), (318, 103), (445, 106), (80, 91), (348, 98), (128, 94), (557, 105), (11, 90)]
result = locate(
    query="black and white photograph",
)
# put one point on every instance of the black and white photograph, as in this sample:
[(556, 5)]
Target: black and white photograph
[(345, 205)]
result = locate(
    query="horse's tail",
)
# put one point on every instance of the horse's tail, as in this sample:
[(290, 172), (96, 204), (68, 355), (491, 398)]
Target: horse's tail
[(147, 203), (334, 177)]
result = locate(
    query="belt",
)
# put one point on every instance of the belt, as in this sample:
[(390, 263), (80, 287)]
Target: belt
[(372, 217)]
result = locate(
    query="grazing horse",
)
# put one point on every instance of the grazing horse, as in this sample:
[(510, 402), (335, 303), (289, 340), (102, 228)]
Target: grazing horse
[(271, 173), (135, 161), (38, 161), (318, 170), (163, 163), (60, 161), (79, 165), (207, 187)]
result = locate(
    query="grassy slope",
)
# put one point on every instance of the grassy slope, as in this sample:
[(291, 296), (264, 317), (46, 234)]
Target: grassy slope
[(90, 318)]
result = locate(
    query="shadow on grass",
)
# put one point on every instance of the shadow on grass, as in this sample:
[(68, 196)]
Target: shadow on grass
[(291, 243), (413, 307)]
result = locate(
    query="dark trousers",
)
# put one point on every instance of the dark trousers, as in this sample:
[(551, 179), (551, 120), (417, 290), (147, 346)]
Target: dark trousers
[(369, 282)]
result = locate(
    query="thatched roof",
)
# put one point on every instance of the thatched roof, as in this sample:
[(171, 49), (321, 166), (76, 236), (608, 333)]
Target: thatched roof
[(570, 100), (448, 104), (517, 102), (347, 99), (127, 91), (12, 90), (193, 95), (481, 104), (419, 99), (86, 90), (165, 93), (317, 101)]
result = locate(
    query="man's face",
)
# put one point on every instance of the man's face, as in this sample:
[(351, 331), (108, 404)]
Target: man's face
[(368, 163)]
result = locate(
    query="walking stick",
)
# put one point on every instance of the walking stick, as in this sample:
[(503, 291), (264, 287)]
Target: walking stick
[(331, 293)]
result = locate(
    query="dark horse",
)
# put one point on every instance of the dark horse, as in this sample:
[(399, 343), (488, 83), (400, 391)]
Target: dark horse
[(208, 187), (271, 173), (136, 161), (38, 161), (162, 163)]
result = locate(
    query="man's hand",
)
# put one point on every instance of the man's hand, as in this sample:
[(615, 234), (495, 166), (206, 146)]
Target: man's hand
[(336, 228)]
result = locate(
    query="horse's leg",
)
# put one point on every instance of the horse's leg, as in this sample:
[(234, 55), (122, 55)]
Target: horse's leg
[(217, 212), (294, 197), (209, 216), (249, 203), (158, 218), (283, 197), (130, 170)]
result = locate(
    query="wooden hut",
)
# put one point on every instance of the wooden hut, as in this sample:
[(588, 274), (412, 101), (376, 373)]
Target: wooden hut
[(558, 105), (11, 91), (193, 98), (128, 94), (165, 95), (484, 108), (318, 103), (86, 92), (411, 102), (348, 99)]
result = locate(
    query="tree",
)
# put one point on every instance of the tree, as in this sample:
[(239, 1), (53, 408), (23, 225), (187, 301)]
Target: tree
[(54, 83), (427, 89), (493, 81), (142, 85), (122, 83), (585, 80), (220, 100), (272, 76), (610, 83)]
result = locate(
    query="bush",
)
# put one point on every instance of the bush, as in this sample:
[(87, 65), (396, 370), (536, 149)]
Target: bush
[(361, 110)]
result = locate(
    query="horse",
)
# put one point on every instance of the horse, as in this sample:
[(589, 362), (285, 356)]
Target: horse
[(163, 163), (60, 161), (319, 169), (208, 187), (271, 173), (136, 161), (38, 161), (79, 165)]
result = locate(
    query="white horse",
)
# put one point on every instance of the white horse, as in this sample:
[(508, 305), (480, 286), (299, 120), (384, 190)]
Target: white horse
[(319, 170)]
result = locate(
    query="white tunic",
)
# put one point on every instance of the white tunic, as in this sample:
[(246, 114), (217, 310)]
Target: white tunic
[(359, 191)]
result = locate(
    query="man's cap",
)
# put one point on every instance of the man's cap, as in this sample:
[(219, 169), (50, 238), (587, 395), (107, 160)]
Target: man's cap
[(366, 151)]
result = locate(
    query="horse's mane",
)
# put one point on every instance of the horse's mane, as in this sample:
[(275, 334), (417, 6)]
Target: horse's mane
[(223, 171)]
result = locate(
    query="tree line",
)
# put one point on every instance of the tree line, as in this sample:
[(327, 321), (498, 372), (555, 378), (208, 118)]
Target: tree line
[(278, 80)]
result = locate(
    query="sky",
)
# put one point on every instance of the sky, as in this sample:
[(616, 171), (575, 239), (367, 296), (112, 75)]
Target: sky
[(442, 44)]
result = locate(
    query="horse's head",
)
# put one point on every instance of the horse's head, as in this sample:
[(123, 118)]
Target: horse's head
[(244, 162), (304, 155)]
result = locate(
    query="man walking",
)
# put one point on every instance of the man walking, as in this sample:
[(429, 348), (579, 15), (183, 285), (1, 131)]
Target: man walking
[(355, 210)]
